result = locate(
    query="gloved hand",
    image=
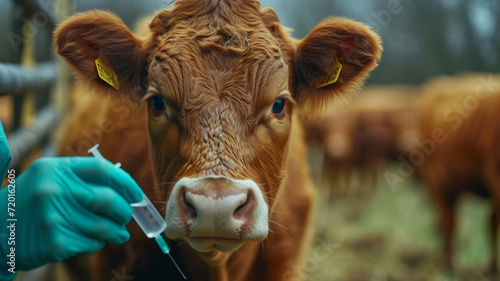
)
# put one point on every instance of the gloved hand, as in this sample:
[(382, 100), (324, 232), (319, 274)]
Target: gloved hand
[(67, 206), (4, 154)]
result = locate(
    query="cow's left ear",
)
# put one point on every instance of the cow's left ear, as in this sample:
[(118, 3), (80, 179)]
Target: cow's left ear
[(333, 60)]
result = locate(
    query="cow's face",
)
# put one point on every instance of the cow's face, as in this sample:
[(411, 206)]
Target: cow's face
[(221, 80), (219, 121)]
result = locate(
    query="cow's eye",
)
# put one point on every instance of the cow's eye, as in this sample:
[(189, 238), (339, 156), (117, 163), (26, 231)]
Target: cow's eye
[(279, 106), (158, 103)]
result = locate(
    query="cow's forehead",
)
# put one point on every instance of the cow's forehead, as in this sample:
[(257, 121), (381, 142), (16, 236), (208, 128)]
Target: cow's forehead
[(235, 26), (214, 56)]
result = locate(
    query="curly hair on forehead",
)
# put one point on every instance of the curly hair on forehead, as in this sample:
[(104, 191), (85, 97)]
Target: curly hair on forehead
[(208, 16), (227, 39)]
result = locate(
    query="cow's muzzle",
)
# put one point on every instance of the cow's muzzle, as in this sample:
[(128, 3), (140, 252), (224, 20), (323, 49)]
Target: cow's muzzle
[(216, 213)]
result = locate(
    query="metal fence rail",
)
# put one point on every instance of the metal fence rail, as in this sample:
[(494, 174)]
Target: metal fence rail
[(25, 139), (15, 79)]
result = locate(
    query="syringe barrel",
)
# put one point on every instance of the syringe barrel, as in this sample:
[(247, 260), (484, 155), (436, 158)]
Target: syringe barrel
[(148, 218)]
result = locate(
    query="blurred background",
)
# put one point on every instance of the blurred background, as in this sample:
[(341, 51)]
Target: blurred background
[(370, 226)]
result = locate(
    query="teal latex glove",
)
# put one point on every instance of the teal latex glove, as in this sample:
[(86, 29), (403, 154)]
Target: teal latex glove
[(5, 155), (67, 206)]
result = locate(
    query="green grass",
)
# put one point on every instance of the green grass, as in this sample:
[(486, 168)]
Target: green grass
[(390, 234)]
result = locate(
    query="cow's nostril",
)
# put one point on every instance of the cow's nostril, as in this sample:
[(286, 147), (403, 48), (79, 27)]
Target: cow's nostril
[(242, 204), (186, 204), (245, 206), (192, 209)]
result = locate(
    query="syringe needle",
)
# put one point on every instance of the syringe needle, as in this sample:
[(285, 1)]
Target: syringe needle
[(178, 268), (166, 250), (146, 216)]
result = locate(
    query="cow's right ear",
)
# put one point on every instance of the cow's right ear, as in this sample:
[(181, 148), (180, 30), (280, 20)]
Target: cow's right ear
[(102, 36)]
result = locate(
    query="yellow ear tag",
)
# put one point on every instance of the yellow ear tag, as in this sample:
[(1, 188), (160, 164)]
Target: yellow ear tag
[(106, 73), (334, 77)]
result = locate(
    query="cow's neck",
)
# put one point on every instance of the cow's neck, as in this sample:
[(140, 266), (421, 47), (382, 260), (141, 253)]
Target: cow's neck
[(218, 273)]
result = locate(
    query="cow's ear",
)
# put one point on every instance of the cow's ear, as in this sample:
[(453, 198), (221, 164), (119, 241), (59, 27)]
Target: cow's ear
[(333, 60), (102, 36)]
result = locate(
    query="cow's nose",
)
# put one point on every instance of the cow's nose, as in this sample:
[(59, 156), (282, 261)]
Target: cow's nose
[(216, 207), (233, 204)]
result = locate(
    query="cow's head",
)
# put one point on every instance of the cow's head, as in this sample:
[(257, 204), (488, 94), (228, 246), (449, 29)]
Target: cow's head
[(221, 80)]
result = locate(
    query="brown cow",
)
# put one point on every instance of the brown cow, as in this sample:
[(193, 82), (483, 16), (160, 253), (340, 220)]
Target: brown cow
[(221, 80), (377, 126), (459, 138)]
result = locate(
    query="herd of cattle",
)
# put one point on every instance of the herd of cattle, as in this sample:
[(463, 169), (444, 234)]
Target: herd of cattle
[(358, 138), (210, 112), (445, 132)]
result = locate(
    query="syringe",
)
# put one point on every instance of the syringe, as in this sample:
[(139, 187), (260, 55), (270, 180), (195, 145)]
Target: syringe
[(147, 217)]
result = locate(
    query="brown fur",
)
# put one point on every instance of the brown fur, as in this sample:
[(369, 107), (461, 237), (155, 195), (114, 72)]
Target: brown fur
[(467, 158), (219, 65)]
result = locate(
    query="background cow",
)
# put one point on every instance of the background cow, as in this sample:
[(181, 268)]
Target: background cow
[(460, 133), (224, 88), (361, 138)]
